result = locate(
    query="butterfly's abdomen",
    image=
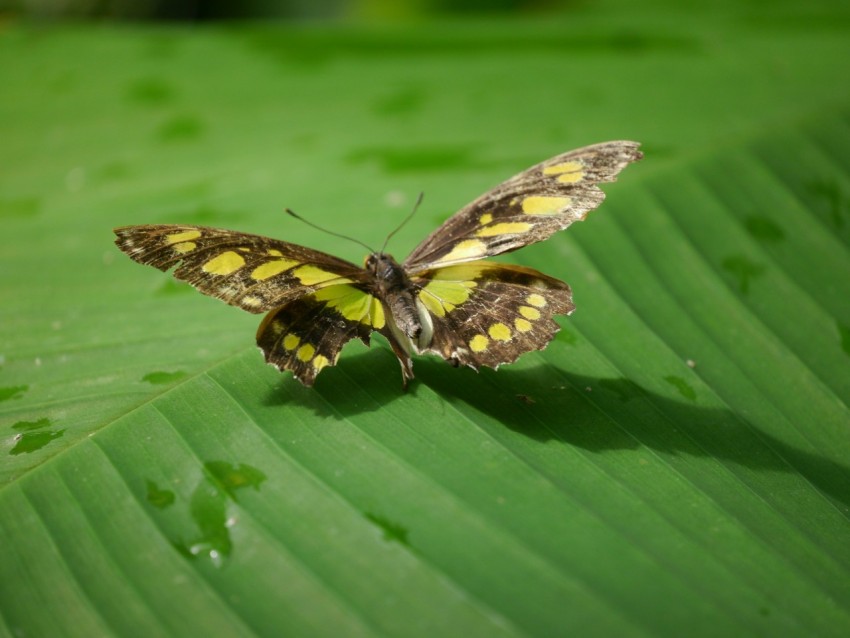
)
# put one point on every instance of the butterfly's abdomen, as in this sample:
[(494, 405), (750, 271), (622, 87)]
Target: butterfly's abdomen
[(397, 292)]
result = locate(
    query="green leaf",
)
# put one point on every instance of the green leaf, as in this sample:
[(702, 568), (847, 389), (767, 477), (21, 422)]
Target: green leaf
[(675, 463)]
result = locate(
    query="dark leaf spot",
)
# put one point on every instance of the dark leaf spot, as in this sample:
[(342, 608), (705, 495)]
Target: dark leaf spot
[(623, 389), (844, 334), (234, 477), (764, 228), (150, 91), (163, 378), (172, 287), (20, 207), (27, 426), (32, 441), (401, 103), (682, 386), (12, 392), (181, 128), (830, 193), (743, 269), (393, 532), (157, 497)]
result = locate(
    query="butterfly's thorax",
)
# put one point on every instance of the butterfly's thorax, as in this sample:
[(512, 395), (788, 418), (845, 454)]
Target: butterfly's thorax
[(394, 288)]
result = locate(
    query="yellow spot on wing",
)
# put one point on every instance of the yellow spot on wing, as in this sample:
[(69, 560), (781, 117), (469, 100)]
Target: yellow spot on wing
[(503, 229), (542, 205), (467, 249), (570, 178), (536, 300), (522, 325), (568, 172), (291, 341), (564, 167), (479, 343), (275, 326), (310, 275), (272, 268), (320, 362), (499, 332), (273, 252), (186, 235), (305, 352), (485, 219), (185, 247), (224, 264), (252, 301), (529, 313)]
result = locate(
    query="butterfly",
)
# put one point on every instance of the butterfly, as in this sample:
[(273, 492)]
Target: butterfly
[(444, 299)]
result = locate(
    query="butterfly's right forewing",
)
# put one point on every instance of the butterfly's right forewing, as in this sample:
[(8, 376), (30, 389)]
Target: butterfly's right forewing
[(527, 208)]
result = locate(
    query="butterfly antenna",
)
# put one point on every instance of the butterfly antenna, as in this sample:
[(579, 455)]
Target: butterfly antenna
[(404, 221), (325, 230)]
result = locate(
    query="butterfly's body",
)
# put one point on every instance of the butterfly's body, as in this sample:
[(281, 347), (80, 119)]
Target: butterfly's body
[(393, 286), (444, 299), (405, 313)]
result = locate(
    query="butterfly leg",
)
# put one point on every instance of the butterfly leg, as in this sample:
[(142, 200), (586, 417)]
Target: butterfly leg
[(403, 356), (405, 361)]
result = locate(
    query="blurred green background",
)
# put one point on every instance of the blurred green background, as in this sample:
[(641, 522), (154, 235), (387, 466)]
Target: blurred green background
[(201, 10)]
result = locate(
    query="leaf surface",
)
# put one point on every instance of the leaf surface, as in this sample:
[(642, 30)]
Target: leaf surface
[(675, 463)]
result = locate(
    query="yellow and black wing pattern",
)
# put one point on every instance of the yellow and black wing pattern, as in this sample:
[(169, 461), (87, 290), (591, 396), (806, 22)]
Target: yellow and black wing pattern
[(252, 272), (527, 208), (307, 334), (488, 314), (318, 302), (444, 299)]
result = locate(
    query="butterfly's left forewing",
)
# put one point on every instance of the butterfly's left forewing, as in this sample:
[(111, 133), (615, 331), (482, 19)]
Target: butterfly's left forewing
[(487, 314)]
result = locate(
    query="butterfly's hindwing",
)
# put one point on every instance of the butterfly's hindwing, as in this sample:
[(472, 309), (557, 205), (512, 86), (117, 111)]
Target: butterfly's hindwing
[(252, 272), (307, 334), (527, 208), (487, 314)]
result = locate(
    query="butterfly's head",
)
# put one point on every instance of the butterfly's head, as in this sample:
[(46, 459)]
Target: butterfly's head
[(377, 262), (384, 267)]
